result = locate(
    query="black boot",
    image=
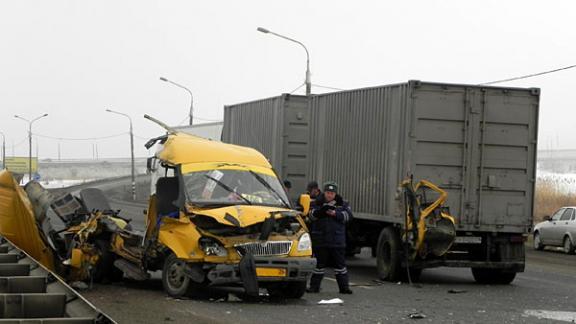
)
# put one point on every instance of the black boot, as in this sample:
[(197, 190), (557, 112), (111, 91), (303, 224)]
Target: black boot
[(343, 285), (315, 282)]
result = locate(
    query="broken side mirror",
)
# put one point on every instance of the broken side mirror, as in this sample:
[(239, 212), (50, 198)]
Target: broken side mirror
[(304, 202), (151, 165)]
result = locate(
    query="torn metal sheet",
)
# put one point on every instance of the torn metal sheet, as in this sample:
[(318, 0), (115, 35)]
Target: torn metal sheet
[(18, 223)]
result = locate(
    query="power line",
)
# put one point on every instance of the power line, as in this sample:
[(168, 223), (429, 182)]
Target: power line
[(181, 123), (327, 87), (208, 120), (79, 139), (297, 88), (142, 137), (529, 75), (318, 86), (184, 120), (20, 142)]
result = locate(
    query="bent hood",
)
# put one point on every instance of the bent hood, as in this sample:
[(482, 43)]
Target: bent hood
[(240, 215)]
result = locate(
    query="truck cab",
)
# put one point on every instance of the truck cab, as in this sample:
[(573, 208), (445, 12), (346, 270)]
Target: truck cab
[(219, 215)]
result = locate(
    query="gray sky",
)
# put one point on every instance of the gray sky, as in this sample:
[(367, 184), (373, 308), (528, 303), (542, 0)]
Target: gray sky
[(74, 59)]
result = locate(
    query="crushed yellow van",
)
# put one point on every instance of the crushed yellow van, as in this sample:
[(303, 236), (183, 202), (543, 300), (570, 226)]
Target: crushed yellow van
[(219, 215)]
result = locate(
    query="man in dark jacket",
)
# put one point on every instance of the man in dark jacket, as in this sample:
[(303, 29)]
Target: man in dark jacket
[(329, 216), (313, 190)]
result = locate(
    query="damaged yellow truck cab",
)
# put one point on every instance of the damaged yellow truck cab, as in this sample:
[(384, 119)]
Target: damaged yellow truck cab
[(219, 215)]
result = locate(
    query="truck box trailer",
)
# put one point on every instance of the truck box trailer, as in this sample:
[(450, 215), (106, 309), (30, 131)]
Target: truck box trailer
[(477, 143)]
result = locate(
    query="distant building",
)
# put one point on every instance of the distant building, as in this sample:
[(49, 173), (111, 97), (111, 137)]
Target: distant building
[(211, 131)]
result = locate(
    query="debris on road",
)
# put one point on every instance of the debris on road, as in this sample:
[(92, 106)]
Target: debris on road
[(457, 291), (416, 315), (79, 285), (333, 301), (552, 315)]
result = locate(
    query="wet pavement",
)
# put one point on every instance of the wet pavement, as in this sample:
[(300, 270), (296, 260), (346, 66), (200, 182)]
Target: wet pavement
[(545, 293)]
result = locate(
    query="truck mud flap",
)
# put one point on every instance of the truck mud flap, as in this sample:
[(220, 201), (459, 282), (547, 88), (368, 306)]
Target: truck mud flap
[(30, 293), (247, 268)]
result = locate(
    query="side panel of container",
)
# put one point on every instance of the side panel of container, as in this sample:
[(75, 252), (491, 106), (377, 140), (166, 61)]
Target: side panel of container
[(277, 127), (480, 145), (256, 124), (477, 143), (296, 135), (358, 138)]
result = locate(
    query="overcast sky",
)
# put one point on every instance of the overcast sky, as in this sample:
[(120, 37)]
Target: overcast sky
[(74, 59)]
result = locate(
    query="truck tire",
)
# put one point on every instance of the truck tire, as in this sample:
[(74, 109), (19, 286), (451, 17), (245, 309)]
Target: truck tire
[(288, 290), (174, 280), (388, 255), (493, 276)]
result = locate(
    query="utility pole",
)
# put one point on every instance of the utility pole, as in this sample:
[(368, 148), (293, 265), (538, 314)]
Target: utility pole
[(131, 151), (191, 113), (30, 122), (307, 80), (3, 151)]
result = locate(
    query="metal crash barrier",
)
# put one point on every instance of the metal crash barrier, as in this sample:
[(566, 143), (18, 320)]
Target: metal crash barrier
[(30, 293)]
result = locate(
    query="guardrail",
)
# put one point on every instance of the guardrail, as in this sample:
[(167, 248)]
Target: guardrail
[(30, 293)]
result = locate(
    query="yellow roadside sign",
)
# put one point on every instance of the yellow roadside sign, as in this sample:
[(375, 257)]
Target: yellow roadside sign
[(19, 164)]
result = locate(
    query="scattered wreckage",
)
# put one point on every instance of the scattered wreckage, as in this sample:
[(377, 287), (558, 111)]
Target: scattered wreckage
[(31, 291), (218, 215)]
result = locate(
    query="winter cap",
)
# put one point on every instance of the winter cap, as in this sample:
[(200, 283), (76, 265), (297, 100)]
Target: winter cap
[(331, 186)]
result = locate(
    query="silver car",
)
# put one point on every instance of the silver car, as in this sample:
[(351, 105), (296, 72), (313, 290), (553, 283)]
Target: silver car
[(558, 230)]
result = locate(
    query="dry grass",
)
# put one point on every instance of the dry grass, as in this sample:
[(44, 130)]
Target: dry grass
[(551, 194)]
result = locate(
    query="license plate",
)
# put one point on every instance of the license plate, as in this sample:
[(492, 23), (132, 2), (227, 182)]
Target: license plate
[(468, 239), (270, 272)]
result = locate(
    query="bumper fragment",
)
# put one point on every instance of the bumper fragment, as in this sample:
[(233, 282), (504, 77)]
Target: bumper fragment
[(295, 269)]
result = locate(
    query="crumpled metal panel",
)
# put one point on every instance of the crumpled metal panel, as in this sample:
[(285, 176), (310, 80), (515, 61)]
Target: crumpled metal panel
[(17, 222)]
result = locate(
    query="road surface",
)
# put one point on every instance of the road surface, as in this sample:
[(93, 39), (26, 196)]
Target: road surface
[(545, 293)]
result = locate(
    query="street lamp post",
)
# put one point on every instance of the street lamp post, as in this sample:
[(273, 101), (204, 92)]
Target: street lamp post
[(308, 80), (131, 151), (191, 97), (30, 122), (3, 150)]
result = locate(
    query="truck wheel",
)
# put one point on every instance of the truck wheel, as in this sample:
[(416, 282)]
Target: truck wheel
[(538, 242), (493, 276), (289, 290), (174, 279), (388, 255), (568, 246)]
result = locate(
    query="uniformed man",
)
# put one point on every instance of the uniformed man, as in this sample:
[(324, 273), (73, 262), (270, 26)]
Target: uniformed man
[(329, 216)]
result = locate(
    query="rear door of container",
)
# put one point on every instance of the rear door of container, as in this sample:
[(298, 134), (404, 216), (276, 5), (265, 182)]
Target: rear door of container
[(479, 144)]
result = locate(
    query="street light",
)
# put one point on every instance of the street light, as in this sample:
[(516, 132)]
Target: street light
[(131, 151), (191, 97), (3, 150), (30, 122), (308, 80)]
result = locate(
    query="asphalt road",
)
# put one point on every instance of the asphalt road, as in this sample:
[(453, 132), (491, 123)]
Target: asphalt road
[(546, 291)]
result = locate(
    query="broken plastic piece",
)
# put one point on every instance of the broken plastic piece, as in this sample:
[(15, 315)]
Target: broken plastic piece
[(416, 316), (333, 301)]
